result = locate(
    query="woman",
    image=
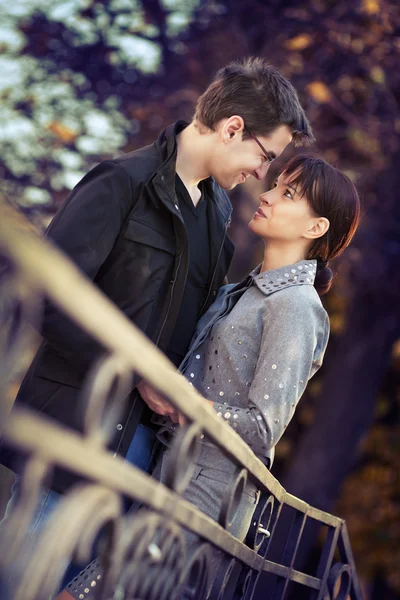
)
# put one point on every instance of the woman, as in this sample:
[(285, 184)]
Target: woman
[(257, 346)]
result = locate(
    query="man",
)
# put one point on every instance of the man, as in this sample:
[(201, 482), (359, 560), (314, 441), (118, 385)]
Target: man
[(150, 230)]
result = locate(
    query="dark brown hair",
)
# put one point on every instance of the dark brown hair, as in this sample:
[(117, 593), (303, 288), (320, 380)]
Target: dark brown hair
[(330, 194), (257, 92)]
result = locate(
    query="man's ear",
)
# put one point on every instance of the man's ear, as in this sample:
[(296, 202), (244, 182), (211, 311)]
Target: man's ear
[(318, 228), (232, 127)]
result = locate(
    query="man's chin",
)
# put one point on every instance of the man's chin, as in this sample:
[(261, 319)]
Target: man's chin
[(227, 185), (230, 186)]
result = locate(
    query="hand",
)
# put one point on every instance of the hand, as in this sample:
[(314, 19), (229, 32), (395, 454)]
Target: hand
[(157, 402), (64, 595)]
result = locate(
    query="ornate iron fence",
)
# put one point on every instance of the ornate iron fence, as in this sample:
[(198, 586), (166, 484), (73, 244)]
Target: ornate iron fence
[(144, 556)]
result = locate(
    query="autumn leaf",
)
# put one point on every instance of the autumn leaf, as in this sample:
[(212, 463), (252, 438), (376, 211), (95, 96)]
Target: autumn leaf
[(396, 349), (371, 7), (377, 75), (62, 132), (299, 42), (319, 91), (363, 142)]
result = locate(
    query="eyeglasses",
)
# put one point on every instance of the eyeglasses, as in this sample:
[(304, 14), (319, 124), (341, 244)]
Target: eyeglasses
[(269, 156)]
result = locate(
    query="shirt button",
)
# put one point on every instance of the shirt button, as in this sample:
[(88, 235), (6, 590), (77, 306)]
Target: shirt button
[(119, 426)]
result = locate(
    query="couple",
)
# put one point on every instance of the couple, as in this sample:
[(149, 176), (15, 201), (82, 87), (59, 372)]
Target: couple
[(150, 229)]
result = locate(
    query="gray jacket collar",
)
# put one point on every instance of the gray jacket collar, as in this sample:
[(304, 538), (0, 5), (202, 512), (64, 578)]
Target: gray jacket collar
[(300, 273)]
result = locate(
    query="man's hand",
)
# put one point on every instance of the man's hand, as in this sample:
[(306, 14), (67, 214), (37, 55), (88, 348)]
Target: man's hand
[(157, 402), (64, 595)]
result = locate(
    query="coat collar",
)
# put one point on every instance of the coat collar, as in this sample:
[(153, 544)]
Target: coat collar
[(300, 273), (165, 174)]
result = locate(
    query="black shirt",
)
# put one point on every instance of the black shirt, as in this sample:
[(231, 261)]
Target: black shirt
[(196, 223)]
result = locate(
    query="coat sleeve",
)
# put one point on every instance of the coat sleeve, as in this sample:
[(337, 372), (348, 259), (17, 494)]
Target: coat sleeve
[(294, 339), (86, 229)]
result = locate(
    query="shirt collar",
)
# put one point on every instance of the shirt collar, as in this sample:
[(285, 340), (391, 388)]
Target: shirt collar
[(300, 273)]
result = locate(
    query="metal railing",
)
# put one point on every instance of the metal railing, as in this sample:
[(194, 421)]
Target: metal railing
[(144, 556)]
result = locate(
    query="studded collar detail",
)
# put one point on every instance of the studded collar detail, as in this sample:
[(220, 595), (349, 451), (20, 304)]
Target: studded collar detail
[(300, 273)]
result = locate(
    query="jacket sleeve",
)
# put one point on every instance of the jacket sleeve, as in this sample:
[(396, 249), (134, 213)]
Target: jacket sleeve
[(85, 584), (86, 229), (294, 339)]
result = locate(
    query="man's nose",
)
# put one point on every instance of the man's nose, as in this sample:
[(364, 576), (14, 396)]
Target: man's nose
[(262, 171)]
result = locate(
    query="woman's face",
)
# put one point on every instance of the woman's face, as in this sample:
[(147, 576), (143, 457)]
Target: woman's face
[(283, 215)]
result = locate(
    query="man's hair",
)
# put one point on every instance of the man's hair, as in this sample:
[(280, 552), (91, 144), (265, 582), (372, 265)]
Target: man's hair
[(256, 91)]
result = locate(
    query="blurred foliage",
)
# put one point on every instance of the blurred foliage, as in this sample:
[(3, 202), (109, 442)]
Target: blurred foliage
[(84, 80), (370, 498)]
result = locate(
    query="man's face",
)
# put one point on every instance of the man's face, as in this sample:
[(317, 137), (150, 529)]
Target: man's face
[(235, 159)]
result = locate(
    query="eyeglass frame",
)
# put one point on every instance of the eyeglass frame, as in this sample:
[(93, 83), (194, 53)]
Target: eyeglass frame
[(270, 156)]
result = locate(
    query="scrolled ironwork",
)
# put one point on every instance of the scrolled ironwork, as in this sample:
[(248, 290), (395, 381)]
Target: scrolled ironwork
[(71, 531), (17, 311), (152, 558), (232, 498), (144, 557), (103, 397), (261, 522), (196, 576), (339, 581), (16, 526), (182, 457), (222, 582), (246, 584)]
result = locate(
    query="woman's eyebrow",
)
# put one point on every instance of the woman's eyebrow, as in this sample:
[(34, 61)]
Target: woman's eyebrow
[(292, 188)]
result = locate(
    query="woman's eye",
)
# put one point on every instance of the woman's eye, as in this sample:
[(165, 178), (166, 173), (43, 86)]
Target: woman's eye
[(288, 194)]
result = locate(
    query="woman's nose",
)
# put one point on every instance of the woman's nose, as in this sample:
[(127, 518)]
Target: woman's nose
[(264, 198)]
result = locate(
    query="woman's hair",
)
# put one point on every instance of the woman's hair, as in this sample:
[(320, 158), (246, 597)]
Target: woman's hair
[(256, 91), (330, 194)]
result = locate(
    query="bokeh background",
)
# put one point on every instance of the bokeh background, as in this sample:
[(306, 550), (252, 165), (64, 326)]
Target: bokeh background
[(82, 81)]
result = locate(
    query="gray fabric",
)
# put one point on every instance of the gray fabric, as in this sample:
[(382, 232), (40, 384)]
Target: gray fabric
[(84, 585), (212, 475), (263, 338), (254, 351), (207, 490)]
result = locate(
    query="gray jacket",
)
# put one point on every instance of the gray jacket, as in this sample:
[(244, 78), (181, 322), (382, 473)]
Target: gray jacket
[(255, 349)]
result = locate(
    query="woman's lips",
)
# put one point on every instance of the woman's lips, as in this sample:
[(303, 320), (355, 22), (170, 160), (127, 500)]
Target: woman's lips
[(259, 213)]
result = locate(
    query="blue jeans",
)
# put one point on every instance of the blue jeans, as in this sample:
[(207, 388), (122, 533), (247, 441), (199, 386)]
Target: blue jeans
[(140, 454)]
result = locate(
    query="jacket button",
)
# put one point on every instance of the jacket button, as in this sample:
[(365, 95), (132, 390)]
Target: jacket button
[(119, 426), (214, 293)]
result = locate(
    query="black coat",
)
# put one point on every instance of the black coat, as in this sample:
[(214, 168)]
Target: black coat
[(122, 226)]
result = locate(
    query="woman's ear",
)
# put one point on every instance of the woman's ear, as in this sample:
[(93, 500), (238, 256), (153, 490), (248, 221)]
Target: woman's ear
[(319, 227)]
